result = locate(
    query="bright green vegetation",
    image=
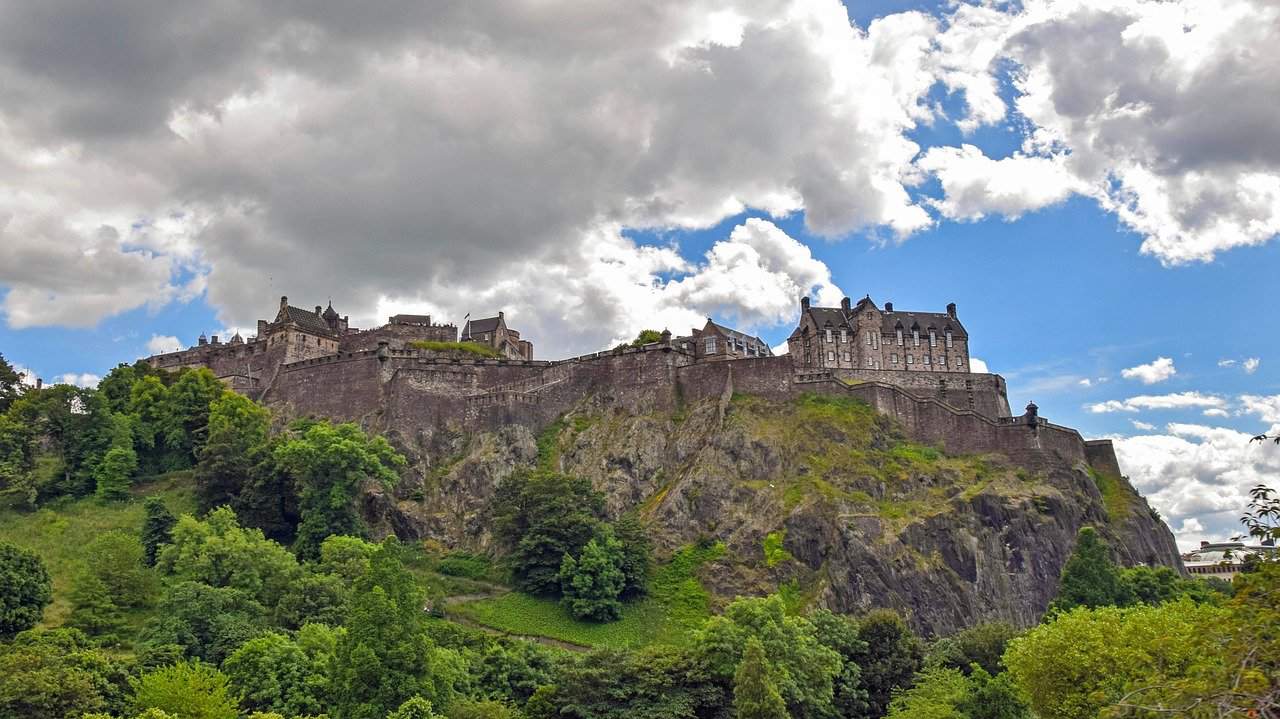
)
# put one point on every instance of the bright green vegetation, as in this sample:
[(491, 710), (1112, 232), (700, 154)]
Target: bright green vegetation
[(677, 605), (474, 348), (60, 531), (774, 554), (1119, 500)]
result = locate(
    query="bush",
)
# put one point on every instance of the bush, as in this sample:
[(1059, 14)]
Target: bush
[(592, 583), (191, 690), (114, 474), (461, 564), (25, 589)]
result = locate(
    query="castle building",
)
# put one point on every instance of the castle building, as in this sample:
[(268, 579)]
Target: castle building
[(863, 336), (493, 332), (717, 342)]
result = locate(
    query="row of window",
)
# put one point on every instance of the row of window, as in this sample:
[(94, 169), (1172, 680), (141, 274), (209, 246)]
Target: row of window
[(928, 360), (731, 344), (873, 338)]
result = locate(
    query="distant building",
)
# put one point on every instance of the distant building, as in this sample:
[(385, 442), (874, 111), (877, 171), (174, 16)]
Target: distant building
[(1223, 560), (717, 342), (863, 336), (493, 332)]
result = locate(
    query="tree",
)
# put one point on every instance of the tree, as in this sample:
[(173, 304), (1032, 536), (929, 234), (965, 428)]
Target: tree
[(754, 694), (92, 609), (1090, 578), (10, 384), (235, 446), (636, 558), (414, 708), (329, 463), (207, 622), (646, 337), (114, 474), (652, 683), (840, 634), (25, 589), (220, 553), (540, 517), (804, 669), (935, 694), (59, 674), (191, 690), (273, 673), (488, 709), (991, 697), (892, 657), (345, 557), (315, 598), (591, 584), (385, 656), (157, 528), (981, 645), (119, 560), (185, 415)]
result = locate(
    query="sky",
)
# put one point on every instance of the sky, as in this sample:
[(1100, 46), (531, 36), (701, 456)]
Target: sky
[(1095, 183)]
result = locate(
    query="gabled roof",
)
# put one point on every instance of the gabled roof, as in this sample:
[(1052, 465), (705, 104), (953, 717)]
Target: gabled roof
[(735, 334), (940, 321), (306, 319), (480, 326)]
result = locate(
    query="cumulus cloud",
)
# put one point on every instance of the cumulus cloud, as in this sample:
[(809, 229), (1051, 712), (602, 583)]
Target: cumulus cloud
[(1144, 426), (1158, 370), (1216, 412), (1162, 112), (160, 344), (1251, 365), (1177, 400), (436, 155), (1198, 477), (84, 379), (1267, 408), (1086, 382)]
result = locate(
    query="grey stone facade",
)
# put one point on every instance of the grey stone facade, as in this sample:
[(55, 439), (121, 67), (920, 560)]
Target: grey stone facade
[(864, 336)]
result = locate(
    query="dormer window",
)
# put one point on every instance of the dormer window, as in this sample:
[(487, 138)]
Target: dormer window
[(828, 334), (844, 335), (899, 336), (933, 338), (948, 339), (915, 337)]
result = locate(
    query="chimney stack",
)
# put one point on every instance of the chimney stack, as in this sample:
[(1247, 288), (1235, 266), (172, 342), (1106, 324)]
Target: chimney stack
[(39, 383), (951, 310), (284, 301), (888, 307), (804, 303), (844, 305), (213, 340), (317, 310)]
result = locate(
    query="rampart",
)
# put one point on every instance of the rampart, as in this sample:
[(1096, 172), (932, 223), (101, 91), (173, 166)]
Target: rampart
[(409, 391)]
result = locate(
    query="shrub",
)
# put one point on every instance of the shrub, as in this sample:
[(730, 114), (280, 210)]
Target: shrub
[(474, 348), (25, 589)]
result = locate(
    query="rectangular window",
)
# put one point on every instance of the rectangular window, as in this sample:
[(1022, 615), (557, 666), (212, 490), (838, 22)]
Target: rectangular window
[(831, 356), (911, 359), (899, 337), (915, 337), (948, 339), (870, 362), (959, 361), (875, 340), (927, 358), (846, 357), (933, 338), (711, 345), (868, 339), (893, 358), (828, 335), (844, 335)]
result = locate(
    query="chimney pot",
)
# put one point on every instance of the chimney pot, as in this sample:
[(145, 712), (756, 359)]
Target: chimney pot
[(888, 307), (213, 340), (317, 310), (845, 304), (284, 301), (804, 303), (951, 310)]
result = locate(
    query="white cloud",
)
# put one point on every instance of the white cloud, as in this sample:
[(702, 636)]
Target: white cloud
[(1198, 477), (1216, 412), (1251, 365), (1226, 363), (1086, 382), (1267, 408), (1161, 111), (1178, 400), (977, 365), (160, 344), (975, 185), (1157, 370), (26, 374), (85, 379), (1144, 426)]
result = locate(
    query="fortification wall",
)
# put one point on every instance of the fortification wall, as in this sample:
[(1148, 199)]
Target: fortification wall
[(982, 393), (397, 336)]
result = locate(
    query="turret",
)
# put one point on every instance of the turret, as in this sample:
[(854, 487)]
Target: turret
[(202, 341)]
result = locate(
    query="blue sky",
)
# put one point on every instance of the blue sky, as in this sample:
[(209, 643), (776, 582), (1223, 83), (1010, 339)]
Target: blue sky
[(568, 173)]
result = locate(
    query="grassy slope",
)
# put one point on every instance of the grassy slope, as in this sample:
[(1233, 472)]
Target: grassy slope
[(59, 531), (676, 606)]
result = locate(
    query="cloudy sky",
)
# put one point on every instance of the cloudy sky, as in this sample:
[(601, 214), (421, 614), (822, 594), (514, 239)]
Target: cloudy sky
[(1096, 183)]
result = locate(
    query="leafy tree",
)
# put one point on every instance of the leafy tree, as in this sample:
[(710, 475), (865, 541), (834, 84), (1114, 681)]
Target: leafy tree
[(329, 463), (191, 690), (646, 337), (345, 557), (991, 697), (119, 560), (591, 585), (385, 657), (892, 657), (754, 695), (273, 673), (59, 674), (157, 528), (840, 634), (185, 418), (487, 709), (66, 424), (219, 552), (540, 517), (636, 559), (935, 694), (10, 384), (114, 474), (804, 669), (1156, 585), (651, 683), (1085, 660), (982, 644), (1090, 578), (92, 609), (314, 598), (235, 446), (207, 622), (414, 708), (513, 670), (25, 589), (148, 398)]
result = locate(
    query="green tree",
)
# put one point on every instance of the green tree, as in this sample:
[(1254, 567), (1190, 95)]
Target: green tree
[(207, 622), (840, 634), (314, 598), (1156, 585), (148, 398), (329, 463), (414, 708), (157, 528), (92, 609), (235, 446), (646, 337), (487, 709), (185, 418), (273, 673), (991, 697), (592, 584), (219, 552), (385, 656), (981, 644), (754, 694), (1090, 578), (25, 589), (539, 517), (10, 384), (636, 559), (191, 690), (346, 557), (653, 683), (59, 674), (935, 694), (114, 474), (804, 669), (119, 560), (892, 657)]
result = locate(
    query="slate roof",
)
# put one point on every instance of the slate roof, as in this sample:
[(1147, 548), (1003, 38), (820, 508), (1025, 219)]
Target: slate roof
[(306, 319), (481, 326), (836, 318), (329, 313), (744, 337)]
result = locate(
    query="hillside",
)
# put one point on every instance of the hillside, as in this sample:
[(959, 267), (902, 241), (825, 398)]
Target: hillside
[(818, 497)]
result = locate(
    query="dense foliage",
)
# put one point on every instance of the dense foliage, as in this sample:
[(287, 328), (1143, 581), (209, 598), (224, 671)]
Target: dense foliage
[(25, 589)]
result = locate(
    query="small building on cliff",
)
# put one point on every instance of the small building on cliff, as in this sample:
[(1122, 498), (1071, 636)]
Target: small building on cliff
[(493, 332), (716, 342)]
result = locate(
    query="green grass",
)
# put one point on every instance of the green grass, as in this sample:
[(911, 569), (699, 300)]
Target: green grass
[(474, 348), (774, 553), (59, 531), (1115, 496), (677, 605)]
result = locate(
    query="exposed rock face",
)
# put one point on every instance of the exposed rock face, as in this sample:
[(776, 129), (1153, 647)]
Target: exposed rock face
[(866, 518)]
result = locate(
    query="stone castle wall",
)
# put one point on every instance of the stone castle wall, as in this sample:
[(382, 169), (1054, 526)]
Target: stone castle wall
[(397, 336)]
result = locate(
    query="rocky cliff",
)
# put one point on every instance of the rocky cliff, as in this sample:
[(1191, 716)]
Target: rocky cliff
[(818, 496)]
